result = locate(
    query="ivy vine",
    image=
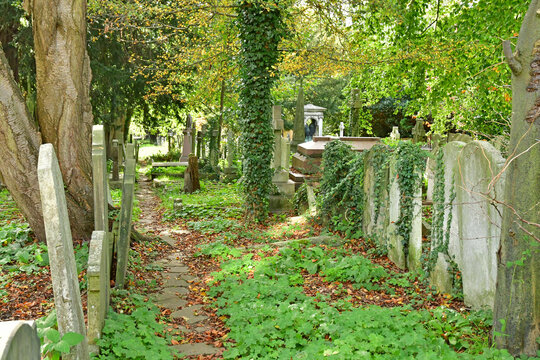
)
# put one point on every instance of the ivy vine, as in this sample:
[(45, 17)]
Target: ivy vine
[(379, 160), (410, 166), (261, 28), (342, 188), (440, 230)]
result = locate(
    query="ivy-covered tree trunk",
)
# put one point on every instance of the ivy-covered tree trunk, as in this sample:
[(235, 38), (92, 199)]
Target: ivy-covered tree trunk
[(517, 302), (261, 27)]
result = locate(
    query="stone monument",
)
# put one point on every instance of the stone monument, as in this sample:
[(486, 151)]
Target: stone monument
[(299, 134), (67, 296), (188, 142), (419, 134), (395, 135)]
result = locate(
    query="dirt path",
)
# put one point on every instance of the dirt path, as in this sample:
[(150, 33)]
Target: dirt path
[(179, 297)]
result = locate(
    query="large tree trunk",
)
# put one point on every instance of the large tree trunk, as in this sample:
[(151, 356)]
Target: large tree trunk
[(64, 115), (517, 302), (19, 150), (63, 104)]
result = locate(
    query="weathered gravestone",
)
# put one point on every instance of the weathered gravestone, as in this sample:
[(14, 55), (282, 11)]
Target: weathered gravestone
[(396, 249), (280, 165), (98, 287), (19, 341), (479, 179), (67, 296), (419, 133), (395, 135), (125, 217), (376, 205), (188, 142)]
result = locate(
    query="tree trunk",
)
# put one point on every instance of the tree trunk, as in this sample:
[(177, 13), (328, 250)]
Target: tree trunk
[(191, 176), (517, 301), (19, 151), (64, 111)]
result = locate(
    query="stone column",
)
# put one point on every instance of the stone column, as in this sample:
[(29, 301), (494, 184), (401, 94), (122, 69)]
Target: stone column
[(98, 287), (341, 128), (116, 164), (67, 297), (125, 218), (199, 143), (188, 141)]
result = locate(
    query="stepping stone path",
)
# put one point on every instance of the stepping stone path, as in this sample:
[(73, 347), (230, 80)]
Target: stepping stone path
[(176, 279)]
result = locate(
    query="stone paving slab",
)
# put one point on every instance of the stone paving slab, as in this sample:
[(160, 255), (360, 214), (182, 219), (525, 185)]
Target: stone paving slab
[(173, 283), (171, 303), (196, 349), (187, 312), (178, 269)]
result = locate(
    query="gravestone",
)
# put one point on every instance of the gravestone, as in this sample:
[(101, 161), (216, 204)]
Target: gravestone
[(341, 128), (395, 135), (375, 225), (299, 133), (280, 164), (354, 116), (126, 212), (214, 134), (479, 178), (419, 134), (101, 199), (193, 138), (67, 296), (98, 287), (230, 170), (203, 145), (186, 148), (199, 143), (396, 251), (19, 341)]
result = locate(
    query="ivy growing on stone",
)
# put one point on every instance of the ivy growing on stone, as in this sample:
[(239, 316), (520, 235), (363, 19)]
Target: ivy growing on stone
[(342, 188), (410, 165), (379, 160), (261, 27)]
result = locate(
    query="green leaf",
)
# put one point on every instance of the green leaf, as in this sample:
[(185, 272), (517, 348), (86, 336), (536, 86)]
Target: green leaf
[(53, 335), (72, 338)]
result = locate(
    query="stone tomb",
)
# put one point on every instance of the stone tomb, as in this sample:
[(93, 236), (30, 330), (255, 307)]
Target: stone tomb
[(98, 287), (67, 296), (306, 162)]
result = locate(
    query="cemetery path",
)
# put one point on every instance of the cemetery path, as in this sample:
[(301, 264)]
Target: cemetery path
[(196, 329)]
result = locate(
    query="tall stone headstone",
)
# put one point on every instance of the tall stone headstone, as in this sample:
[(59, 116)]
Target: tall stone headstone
[(199, 143), (396, 251), (19, 341), (98, 287), (354, 116), (341, 128), (480, 178), (204, 137), (188, 142), (419, 133), (116, 163), (280, 165), (299, 134), (214, 152), (67, 296), (126, 212), (101, 206)]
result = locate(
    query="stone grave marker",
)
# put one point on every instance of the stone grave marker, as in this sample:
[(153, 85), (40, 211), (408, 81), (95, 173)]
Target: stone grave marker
[(98, 287), (395, 135), (19, 341), (396, 252), (67, 296), (188, 142), (479, 219), (341, 128), (126, 212), (419, 134), (299, 133)]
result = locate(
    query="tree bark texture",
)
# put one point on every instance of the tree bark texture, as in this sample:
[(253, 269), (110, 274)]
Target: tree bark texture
[(191, 176), (517, 302), (64, 111), (19, 150)]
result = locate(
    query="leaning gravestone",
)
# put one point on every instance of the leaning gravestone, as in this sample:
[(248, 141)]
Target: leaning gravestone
[(125, 217), (19, 341), (480, 178), (98, 287), (375, 220), (67, 296)]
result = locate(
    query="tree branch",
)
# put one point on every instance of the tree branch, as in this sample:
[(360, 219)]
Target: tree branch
[(511, 59)]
